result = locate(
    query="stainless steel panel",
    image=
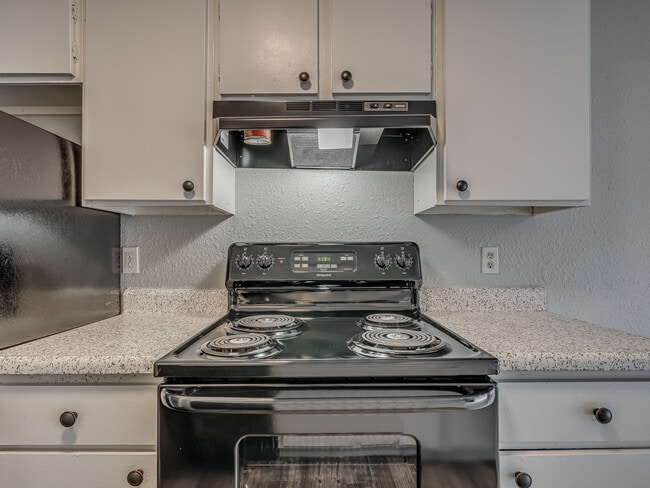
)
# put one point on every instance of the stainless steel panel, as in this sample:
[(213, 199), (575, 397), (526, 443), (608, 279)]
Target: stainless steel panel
[(36, 165), (55, 258)]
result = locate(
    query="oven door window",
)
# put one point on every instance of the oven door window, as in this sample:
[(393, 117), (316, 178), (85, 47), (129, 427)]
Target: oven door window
[(341, 461)]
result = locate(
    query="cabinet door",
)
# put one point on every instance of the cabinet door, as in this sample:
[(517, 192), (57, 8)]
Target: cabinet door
[(119, 415), (144, 100), (265, 46), (37, 37), (598, 468), (384, 44), (561, 415), (40, 469), (517, 101)]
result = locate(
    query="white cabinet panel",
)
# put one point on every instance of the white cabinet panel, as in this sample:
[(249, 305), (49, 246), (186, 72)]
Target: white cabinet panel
[(385, 44), (517, 101), (145, 103), (265, 46), (38, 469), (106, 415), (37, 38), (560, 415), (602, 468)]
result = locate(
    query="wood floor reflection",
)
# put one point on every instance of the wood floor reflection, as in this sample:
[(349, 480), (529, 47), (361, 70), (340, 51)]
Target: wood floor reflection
[(376, 472)]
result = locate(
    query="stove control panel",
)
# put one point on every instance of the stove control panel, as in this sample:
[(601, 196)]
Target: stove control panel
[(314, 262)]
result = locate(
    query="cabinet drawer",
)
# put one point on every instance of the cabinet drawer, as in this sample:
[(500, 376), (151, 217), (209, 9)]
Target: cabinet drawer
[(561, 415), (39, 469), (122, 415), (600, 468)]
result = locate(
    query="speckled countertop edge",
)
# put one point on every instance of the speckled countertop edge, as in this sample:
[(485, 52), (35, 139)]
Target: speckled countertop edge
[(214, 301), (543, 341), (510, 323), (122, 345)]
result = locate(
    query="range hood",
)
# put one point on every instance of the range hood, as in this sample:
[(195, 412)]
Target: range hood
[(382, 135)]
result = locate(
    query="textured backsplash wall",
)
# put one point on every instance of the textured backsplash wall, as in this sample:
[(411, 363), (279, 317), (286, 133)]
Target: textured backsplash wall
[(594, 262)]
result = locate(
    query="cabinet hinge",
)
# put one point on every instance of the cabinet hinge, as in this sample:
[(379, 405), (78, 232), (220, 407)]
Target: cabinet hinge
[(75, 51), (218, 10), (74, 12)]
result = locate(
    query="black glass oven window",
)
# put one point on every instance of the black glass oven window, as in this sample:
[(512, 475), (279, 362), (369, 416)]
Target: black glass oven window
[(327, 461)]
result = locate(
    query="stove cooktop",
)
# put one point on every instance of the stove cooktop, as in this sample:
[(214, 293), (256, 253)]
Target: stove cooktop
[(311, 311), (343, 344)]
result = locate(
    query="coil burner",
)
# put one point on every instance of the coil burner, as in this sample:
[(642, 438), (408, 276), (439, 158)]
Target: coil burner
[(379, 321), (244, 346), (395, 343), (276, 326)]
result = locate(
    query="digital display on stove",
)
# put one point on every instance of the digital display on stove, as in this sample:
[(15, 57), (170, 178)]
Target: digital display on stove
[(323, 262)]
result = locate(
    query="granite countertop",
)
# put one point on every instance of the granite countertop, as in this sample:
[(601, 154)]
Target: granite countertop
[(534, 341), (511, 325), (126, 344)]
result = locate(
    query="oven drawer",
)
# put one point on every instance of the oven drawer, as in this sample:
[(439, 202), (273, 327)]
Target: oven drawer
[(123, 415), (39, 469), (595, 468), (554, 415)]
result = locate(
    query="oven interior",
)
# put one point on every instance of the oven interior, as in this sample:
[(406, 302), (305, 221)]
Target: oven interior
[(327, 460)]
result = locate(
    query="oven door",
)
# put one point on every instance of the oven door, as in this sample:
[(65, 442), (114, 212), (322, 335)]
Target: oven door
[(343, 436)]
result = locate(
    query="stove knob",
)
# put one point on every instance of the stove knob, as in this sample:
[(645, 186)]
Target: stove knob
[(403, 261), (244, 261), (265, 261), (382, 260)]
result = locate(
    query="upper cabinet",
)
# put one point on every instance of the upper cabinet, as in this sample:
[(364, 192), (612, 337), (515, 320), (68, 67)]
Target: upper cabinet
[(147, 116), (39, 40), (382, 46), (513, 91), (268, 47), (325, 48)]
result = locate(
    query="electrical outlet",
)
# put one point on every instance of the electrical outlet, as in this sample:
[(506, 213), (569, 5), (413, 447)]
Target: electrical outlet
[(490, 260), (130, 260)]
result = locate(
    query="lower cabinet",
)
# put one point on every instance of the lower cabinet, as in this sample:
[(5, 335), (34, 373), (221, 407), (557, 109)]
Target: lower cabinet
[(77, 436), (591, 434), (31, 469), (579, 468)]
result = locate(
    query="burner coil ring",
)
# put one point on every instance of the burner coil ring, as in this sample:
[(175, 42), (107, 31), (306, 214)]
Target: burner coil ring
[(395, 343), (244, 346)]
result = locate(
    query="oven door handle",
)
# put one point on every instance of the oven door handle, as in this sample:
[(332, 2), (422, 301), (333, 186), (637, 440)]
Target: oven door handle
[(175, 399)]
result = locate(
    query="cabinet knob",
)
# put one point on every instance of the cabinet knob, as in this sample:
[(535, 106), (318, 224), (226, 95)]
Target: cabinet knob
[(303, 77), (67, 419), (346, 75), (135, 477), (461, 185), (188, 185), (523, 480), (603, 415)]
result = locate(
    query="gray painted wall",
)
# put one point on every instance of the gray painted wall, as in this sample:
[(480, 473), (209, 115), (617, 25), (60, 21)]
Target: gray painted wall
[(594, 262)]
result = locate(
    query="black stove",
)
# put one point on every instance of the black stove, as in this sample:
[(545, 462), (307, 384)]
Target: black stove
[(324, 370), (325, 311)]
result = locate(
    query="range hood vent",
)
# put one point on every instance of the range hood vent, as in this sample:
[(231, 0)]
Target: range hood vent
[(324, 106), (376, 135)]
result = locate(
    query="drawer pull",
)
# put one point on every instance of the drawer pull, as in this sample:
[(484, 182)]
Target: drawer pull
[(67, 419), (603, 415), (135, 477), (523, 480)]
